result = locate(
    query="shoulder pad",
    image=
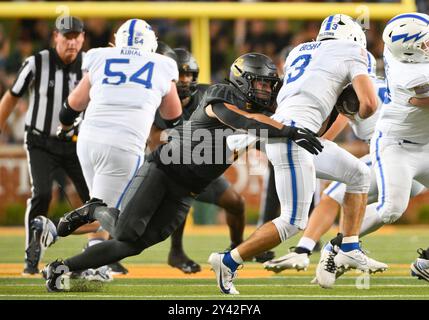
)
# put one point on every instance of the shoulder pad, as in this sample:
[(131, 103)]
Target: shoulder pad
[(224, 93)]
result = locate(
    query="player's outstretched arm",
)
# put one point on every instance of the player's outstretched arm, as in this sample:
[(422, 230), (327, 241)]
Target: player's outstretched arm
[(236, 118), (365, 92)]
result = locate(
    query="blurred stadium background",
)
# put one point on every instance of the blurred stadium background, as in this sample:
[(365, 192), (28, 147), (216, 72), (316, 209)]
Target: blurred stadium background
[(216, 32)]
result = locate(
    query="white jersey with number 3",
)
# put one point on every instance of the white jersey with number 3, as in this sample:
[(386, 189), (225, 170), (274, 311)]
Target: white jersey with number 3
[(400, 119), (315, 74), (127, 86)]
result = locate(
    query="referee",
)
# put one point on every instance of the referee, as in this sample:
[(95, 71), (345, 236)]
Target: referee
[(48, 76)]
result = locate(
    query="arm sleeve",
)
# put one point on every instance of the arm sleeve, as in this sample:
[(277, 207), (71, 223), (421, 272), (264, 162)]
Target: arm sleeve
[(238, 120), (24, 77), (163, 124)]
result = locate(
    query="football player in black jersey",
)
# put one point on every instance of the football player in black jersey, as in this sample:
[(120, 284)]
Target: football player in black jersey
[(164, 188), (219, 192)]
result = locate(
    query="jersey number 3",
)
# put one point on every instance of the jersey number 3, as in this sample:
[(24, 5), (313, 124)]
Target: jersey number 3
[(122, 78), (298, 65)]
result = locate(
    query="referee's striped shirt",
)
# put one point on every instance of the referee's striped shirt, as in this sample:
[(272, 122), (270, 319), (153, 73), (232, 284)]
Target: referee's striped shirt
[(49, 82)]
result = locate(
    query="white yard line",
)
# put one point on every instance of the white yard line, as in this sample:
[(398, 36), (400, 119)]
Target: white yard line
[(289, 296), (240, 285)]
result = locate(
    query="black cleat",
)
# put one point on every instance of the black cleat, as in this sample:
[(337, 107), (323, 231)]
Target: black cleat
[(264, 256), (43, 234), (54, 273), (117, 268), (183, 263), (30, 270), (78, 217)]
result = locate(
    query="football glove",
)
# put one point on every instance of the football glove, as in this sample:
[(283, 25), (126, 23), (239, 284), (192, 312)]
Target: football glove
[(69, 134), (306, 139)]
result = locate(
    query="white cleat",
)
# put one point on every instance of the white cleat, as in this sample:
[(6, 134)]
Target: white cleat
[(101, 274), (357, 259), (292, 260), (224, 275), (326, 269), (420, 269)]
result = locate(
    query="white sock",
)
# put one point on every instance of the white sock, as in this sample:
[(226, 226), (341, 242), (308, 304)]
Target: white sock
[(351, 239), (93, 242), (236, 256), (371, 221), (306, 243)]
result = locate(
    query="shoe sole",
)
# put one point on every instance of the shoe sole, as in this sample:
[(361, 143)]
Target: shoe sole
[(277, 269), (416, 272)]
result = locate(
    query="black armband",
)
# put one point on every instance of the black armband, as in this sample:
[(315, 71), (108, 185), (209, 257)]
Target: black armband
[(240, 121), (173, 122), (67, 114)]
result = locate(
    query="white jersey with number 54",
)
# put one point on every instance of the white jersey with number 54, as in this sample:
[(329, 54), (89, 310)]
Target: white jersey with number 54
[(127, 86), (315, 74)]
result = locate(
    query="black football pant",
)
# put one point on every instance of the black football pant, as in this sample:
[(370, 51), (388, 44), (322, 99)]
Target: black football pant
[(47, 155), (154, 206)]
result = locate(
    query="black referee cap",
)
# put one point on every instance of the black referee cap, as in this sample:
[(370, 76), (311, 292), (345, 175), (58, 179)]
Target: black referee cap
[(69, 24)]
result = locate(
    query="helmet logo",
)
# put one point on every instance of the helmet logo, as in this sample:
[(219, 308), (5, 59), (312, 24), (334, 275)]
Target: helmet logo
[(185, 66), (237, 67), (406, 37)]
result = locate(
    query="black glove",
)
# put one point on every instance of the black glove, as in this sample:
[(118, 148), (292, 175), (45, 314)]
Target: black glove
[(69, 134), (306, 139)]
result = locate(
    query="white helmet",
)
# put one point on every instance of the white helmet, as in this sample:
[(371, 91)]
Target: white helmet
[(372, 65), (407, 37), (341, 27), (136, 33)]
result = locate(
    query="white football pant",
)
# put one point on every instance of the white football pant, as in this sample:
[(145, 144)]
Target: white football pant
[(107, 170)]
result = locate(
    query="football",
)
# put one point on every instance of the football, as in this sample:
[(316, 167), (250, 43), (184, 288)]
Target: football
[(348, 102)]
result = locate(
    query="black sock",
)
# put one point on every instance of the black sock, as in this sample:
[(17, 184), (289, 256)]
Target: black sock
[(300, 250)]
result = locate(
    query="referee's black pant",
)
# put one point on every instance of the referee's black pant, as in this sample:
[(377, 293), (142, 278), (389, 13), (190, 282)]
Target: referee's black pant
[(45, 156)]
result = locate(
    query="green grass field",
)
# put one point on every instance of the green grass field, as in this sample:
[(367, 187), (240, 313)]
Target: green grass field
[(151, 278)]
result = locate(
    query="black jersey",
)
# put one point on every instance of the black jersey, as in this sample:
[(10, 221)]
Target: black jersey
[(187, 110), (198, 152)]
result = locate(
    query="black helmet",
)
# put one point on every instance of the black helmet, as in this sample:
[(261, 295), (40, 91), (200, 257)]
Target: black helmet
[(255, 66), (166, 50), (187, 63)]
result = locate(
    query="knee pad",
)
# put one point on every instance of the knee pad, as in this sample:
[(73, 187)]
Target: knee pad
[(359, 179), (284, 228)]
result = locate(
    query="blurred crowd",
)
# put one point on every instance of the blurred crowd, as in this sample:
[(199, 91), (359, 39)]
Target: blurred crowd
[(229, 38)]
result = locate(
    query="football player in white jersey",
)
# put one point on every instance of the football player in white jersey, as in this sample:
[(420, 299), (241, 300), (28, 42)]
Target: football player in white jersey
[(323, 216), (401, 139), (120, 93), (316, 73)]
